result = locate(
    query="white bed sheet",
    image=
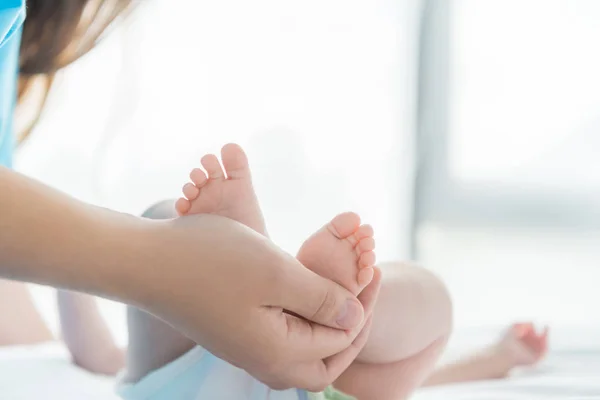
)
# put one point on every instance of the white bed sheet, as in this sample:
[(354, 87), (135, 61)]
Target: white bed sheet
[(564, 375), (45, 372), (571, 372)]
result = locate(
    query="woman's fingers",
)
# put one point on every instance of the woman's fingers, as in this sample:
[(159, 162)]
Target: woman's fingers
[(323, 353), (315, 376)]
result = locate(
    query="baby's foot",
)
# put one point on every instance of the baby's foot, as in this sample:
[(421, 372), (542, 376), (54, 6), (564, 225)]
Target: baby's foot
[(229, 194), (342, 251)]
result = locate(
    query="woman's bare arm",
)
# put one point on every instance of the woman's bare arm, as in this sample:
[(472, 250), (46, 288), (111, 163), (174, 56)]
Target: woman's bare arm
[(206, 275), (49, 238)]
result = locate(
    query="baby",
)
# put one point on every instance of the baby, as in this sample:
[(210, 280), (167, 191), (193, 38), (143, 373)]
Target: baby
[(411, 321)]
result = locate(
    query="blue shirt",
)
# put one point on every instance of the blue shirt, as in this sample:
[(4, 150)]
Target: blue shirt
[(12, 15)]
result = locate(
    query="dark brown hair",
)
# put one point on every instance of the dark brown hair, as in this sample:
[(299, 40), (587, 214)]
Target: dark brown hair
[(55, 34)]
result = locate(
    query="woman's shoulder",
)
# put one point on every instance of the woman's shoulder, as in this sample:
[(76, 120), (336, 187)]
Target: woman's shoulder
[(12, 15)]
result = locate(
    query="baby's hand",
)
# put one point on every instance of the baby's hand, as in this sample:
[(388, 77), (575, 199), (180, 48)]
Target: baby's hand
[(523, 345)]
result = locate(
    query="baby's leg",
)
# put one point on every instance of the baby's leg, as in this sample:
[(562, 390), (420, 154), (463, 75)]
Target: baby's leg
[(20, 321), (152, 342), (411, 324), (86, 334), (412, 318)]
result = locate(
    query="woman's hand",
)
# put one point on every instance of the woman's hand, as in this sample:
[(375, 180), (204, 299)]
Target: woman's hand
[(227, 288), (220, 283)]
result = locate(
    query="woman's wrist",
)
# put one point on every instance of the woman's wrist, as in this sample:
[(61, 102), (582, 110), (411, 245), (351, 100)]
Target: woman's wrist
[(127, 264)]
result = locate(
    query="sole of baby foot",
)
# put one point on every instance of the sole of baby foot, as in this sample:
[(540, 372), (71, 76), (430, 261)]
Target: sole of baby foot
[(343, 251)]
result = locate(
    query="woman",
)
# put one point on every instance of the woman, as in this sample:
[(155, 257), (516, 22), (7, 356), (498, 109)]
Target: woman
[(49, 238)]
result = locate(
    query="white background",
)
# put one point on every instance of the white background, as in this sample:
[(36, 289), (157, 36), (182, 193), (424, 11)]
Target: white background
[(524, 117), (319, 92), (322, 94)]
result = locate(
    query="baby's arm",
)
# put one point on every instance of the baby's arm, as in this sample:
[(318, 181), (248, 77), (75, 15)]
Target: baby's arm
[(87, 336), (480, 366), (520, 345)]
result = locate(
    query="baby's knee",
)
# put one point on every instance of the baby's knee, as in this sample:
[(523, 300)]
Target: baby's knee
[(162, 210), (427, 296)]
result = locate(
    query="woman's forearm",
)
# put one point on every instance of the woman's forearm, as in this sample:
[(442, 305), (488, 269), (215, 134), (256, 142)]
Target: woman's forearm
[(49, 238)]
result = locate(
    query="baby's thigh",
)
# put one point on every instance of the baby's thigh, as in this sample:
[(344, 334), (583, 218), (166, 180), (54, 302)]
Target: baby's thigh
[(396, 380), (152, 342), (413, 311)]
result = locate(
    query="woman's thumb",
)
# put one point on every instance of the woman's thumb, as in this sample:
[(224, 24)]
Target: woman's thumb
[(320, 300)]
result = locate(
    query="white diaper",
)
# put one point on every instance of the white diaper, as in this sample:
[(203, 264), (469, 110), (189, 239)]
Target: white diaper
[(200, 375)]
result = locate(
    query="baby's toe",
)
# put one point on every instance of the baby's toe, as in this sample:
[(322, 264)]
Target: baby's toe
[(235, 161), (364, 231), (344, 225), (365, 276), (198, 177), (190, 191), (211, 164), (182, 206), (367, 259), (366, 244)]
